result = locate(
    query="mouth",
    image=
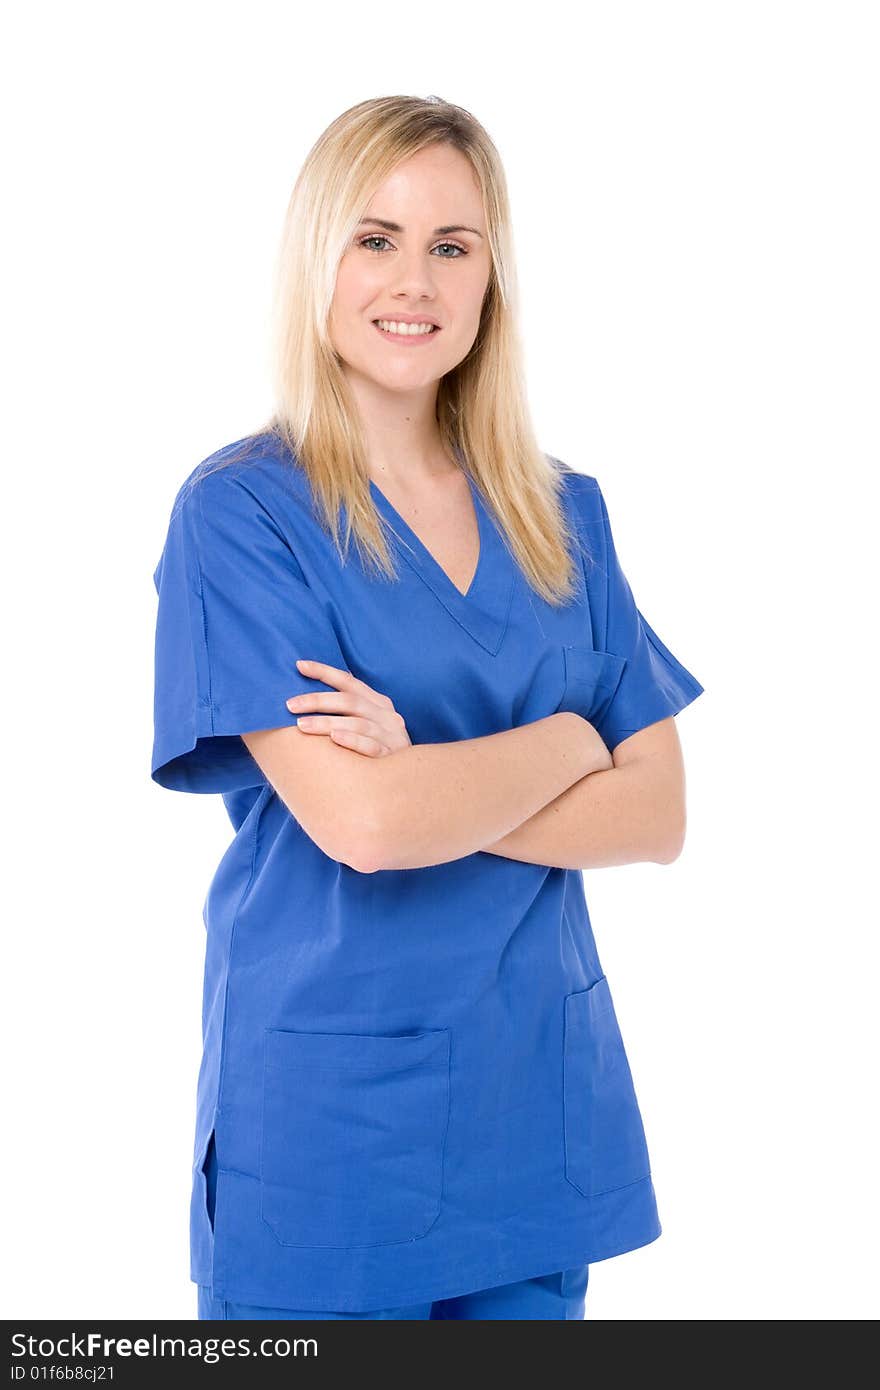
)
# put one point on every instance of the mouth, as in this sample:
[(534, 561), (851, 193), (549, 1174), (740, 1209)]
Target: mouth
[(406, 335)]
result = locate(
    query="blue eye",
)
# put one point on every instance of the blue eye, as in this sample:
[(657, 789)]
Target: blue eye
[(453, 245)]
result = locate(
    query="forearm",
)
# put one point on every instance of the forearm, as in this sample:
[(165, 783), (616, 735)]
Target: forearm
[(620, 815), (435, 802)]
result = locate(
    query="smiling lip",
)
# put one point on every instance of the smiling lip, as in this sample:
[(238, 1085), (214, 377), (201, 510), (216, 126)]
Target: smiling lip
[(408, 318), (408, 339)]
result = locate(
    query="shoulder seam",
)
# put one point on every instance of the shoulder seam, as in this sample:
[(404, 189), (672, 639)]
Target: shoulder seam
[(585, 493)]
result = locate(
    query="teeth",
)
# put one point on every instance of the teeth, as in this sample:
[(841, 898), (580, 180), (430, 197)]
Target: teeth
[(392, 326)]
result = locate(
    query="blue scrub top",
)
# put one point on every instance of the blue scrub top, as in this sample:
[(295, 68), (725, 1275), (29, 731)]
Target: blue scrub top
[(415, 1078)]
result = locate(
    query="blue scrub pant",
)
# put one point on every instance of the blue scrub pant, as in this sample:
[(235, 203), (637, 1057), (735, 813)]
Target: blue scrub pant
[(560, 1296), (550, 1297)]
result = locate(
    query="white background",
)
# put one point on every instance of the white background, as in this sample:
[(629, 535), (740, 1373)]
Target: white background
[(695, 198)]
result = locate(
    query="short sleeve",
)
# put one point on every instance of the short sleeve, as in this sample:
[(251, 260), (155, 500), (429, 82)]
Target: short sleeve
[(654, 684), (234, 615)]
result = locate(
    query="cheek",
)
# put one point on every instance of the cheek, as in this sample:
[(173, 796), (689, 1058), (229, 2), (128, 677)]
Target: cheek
[(469, 296), (357, 283)]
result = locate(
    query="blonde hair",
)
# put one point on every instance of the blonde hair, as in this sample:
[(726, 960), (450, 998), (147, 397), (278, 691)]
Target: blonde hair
[(482, 412)]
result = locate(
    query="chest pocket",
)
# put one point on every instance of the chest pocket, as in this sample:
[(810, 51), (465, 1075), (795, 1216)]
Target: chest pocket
[(591, 678), (353, 1136)]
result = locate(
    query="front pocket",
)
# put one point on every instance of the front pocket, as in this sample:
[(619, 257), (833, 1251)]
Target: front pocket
[(209, 1173), (353, 1136), (605, 1144), (591, 678)]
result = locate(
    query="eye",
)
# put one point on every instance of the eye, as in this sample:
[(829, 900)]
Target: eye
[(364, 240), (378, 250)]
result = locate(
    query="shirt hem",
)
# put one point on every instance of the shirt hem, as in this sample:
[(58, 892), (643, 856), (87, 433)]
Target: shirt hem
[(489, 1277)]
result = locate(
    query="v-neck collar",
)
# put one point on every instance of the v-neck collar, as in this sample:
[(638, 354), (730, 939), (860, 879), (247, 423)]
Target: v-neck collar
[(484, 610)]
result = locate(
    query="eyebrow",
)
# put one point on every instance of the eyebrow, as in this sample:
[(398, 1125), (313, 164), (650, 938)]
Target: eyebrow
[(396, 227)]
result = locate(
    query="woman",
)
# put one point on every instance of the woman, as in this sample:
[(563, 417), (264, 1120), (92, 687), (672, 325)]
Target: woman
[(414, 1100)]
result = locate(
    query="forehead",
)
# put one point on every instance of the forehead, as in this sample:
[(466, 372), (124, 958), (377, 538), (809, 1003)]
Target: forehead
[(437, 185)]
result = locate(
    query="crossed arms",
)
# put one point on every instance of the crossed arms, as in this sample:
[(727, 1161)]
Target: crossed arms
[(548, 792)]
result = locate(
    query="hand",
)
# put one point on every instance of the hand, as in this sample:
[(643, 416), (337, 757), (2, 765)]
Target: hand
[(357, 716)]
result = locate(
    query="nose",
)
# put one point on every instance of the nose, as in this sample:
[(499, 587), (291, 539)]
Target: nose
[(412, 275)]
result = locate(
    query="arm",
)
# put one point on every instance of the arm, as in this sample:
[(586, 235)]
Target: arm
[(630, 812), (428, 803)]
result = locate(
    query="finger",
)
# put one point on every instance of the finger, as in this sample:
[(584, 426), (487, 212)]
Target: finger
[(359, 743), (348, 737), (337, 702), (331, 724), (343, 680), (319, 670), (357, 706)]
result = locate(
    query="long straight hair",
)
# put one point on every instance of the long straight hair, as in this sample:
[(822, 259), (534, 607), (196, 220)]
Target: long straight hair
[(482, 410)]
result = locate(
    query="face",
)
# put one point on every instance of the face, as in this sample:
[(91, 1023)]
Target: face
[(433, 263)]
